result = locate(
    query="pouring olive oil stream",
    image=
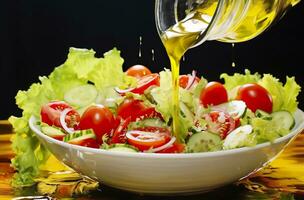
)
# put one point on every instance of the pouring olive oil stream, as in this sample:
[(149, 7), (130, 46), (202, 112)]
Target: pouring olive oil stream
[(184, 24)]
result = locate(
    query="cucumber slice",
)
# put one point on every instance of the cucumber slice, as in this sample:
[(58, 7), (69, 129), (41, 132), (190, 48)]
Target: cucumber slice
[(186, 111), (81, 96), (80, 135), (262, 114), (283, 119), (204, 141), (122, 148), (52, 131), (154, 122), (238, 138), (235, 108)]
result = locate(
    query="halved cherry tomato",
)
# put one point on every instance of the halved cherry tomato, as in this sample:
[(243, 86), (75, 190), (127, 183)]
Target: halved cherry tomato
[(145, 82), (255, 97), (98, 118), (220, 123), (175, 148), (138, 71), (183, 80), (148, 137), (135, 109), (213, 94), (90, 142), (50, 114), (119, 135)]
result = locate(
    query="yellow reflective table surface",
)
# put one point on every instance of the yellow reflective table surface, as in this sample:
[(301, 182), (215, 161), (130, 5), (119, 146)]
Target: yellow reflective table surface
[(282, 179)]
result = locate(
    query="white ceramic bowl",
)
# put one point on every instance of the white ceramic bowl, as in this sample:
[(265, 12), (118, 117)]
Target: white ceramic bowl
[(166, 173)]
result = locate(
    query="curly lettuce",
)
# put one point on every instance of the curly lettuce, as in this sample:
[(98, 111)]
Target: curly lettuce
[(81, 67)]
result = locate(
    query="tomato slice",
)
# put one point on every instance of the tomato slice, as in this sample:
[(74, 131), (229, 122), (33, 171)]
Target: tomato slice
[(50, 114), (138, 71), (175, 148), (90, 142), (136, 109), (183, 80), (148, 137), (220, 123), (119, 135), (145, 82)]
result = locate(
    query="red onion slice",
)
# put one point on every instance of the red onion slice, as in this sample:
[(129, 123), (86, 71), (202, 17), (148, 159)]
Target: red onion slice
[(120, 91), (191, 80), (165, 146), (149, 136), (62, 120)]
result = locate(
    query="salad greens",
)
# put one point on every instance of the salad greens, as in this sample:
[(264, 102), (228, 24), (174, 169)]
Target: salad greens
[(80, 68), (83, 70)]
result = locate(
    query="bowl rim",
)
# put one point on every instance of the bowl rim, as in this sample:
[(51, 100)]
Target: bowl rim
[(298, 128)]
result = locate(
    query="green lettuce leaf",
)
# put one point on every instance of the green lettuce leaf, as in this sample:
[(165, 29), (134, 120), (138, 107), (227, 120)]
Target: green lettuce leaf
[(266, 130), (80, 68), (283, 97), (163, 97), (291, 91), (239, 79)]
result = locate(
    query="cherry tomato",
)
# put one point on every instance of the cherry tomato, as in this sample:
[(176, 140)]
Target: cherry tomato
[(213, 94), (50, 114), (145, 82), (98, 118), (220, 123), (135, 109), (183, 80), (255, 97), (175, 148), (89, 142), (119, 135), (148, 137), (138, 71)]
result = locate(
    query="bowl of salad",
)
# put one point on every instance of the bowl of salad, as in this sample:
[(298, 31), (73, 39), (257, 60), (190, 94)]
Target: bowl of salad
[(115, 126)]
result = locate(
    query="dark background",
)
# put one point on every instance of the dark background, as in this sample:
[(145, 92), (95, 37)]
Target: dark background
[(36, 35)]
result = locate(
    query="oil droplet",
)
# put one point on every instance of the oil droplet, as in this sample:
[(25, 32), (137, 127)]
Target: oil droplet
[(153, 55), (233, 55), (140, 44)]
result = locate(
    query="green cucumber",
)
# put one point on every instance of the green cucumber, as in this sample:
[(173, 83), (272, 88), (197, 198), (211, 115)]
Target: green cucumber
[(122, 148), (283, 119), (186, 111), (79, 135), (239, 137), (149, 122), (52, 131), (235, 108), (262, 114), (203, 142), (81, 96)]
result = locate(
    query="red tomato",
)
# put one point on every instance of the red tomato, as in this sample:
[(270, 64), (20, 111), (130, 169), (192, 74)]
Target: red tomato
[(220, 123), (135, 109), (213, 94), (255, 97), (183, 80), (90, 142), (50, 114), (175, 148), (119, 135), (98, 118), (148, 137), (145, 82), (138, 71)]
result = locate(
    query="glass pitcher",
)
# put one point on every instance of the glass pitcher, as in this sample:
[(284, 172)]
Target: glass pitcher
[(224, 20)]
